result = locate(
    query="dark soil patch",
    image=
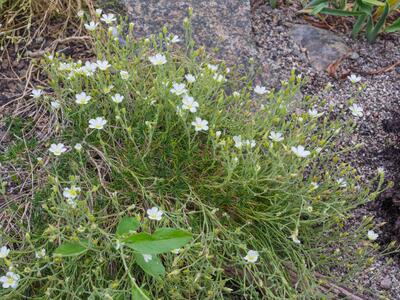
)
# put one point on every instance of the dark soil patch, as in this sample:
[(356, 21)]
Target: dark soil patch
[(390, 199)]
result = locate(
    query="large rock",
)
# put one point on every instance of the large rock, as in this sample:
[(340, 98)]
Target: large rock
[(323, 47), (221, 24)]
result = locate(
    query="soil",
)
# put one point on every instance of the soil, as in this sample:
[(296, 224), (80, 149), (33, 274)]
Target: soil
[(379, 129)]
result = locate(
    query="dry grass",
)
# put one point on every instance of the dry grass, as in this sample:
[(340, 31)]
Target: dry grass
[(24, 22)]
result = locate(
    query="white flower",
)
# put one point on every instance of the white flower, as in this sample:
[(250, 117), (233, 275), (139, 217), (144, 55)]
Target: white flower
[(294, 236), (252, 256), (154, 213), (98, 12), (176, 251), (314, 113), (218, 133), (190, 78), (108, 18), (64, 66), (80, 13), (236, 94), (71, 192), (91, 26), (78, 147), (174, 39), (117, 98), (380, 170), (97, 123), (124, 75), (314, 185), (219, 78), (275, 136), (238, 141), (82, 98), (300, 151), (41, 253), (356, 110), (372, 235), (158, 59), (4, 251), (71, 202), (57, 149), (188, 103), (250, 143), (261, 90), (211, 67), (354, 78), (55, 104), (147, 257), (10, 280), (178, 89), (341, 182), (36, 93), (200, 124), (103, 65), (89, 68)]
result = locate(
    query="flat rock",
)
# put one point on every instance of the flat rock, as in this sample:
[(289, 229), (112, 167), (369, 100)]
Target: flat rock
[(220, 24), (323, 47)]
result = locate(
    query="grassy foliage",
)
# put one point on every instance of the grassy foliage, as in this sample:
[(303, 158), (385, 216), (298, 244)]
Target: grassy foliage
[(261, 192), (372, 16)]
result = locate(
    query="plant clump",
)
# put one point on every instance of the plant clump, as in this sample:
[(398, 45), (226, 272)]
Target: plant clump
[(169, 177)]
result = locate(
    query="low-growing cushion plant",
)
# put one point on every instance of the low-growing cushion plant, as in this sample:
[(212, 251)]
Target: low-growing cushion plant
[(172, 177)]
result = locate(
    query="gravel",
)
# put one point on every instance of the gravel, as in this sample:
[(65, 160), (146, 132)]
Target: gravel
[(380, 101)]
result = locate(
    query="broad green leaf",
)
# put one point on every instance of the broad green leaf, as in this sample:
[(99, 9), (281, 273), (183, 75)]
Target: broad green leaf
[(126, 225), (373, 2), (71, 249), (340, 12), (161, 241), (153, 266), (395, 26), (138, 294)]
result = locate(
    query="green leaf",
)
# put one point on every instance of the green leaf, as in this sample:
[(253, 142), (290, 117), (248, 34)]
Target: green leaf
[(138, 294), (154, 266), (395, 26), (362, 7), (161, 241), (318, 8), (372, 31), (358, 25), (340, 12), (373, 2), (71, 249), (126, 225), (315, 3)]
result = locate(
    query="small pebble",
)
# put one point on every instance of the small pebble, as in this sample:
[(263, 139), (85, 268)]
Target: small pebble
[(386, 283)]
